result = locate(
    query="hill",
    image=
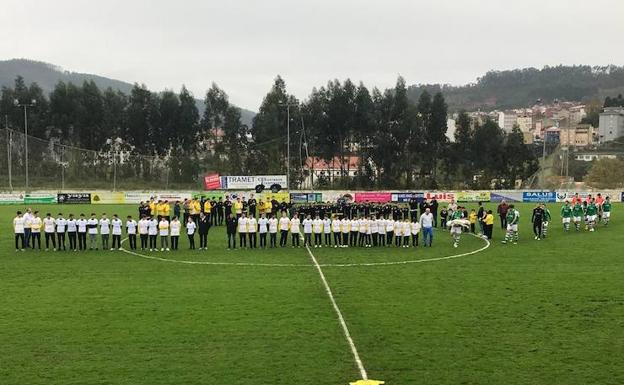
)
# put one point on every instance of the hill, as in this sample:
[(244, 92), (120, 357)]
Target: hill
[(523, 87), (47, 75)]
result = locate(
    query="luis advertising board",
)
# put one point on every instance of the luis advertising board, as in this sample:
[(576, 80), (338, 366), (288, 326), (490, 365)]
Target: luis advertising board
[(73, 198), (441, 196), (539, 196)]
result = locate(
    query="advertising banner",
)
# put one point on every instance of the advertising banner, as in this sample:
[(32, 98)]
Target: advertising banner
[(539, 196), (443, 196), (206, 195), (212, 182), (137, 197), (174, 196), (622, 197), (407, 196), (41, 198), (372, 196), (106, 197), (306, 197), (73, 198), (507, 196), (11, 199), (568, 195), (251, 181), (279, 196), (472, 196)]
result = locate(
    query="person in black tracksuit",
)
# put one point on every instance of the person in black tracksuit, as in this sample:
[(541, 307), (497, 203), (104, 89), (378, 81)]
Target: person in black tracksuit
[(231, 224), (538, 219), (202, 229)]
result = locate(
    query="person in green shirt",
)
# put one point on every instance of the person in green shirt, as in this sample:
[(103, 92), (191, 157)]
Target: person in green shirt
[(606, 211), (566, 215), (513, 217), (546, 220), (592, 214), (577, 214)]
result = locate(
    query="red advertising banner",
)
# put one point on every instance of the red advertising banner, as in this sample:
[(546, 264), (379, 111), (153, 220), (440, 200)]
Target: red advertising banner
[(441, 196), (373, 197), (212, 182)]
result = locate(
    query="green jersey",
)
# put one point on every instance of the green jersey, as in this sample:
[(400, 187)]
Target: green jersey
[(577, 210), (592, 209), (566, 211), (546, 215), (606, 206), (457, 215), (513, 217)]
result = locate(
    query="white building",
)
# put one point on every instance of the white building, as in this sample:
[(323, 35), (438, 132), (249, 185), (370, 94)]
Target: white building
[(611, 124), (525, 123), (507, 120)]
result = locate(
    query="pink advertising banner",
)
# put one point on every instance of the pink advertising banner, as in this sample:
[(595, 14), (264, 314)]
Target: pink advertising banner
[(373, 196)]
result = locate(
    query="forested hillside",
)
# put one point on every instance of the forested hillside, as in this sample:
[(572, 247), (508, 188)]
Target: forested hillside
[(523, 87)]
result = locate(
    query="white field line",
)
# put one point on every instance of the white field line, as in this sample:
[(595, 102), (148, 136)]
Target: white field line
[(487, 244), (343, 324)]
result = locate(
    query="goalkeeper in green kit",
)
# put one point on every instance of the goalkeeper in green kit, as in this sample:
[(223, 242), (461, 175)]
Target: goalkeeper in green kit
[(606, 211), (566, 216), (513, 217)]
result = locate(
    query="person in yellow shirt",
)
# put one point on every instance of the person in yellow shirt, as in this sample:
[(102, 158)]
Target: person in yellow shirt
[(195, 210), (238, 207), (152, 207), (166, 211), (208, 210), (488, 224), (472, 218)]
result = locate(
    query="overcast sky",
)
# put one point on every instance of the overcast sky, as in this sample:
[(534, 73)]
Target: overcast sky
[(243, 45)]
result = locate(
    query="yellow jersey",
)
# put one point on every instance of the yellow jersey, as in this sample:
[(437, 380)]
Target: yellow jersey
[(207, 207), (152, 207), (238, 207)]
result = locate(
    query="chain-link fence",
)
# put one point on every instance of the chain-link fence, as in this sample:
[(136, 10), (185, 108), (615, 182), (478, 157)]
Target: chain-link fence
[(55, 166)]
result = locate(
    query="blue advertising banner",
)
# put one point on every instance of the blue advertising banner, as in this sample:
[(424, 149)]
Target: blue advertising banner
[(539, 196), (405, 197)]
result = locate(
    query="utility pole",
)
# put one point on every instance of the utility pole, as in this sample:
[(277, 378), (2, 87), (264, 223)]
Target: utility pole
[(288, 104), (6, 128), (32, 103)]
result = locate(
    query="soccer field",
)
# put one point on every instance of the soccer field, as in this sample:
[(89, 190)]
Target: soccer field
[(540, 312)]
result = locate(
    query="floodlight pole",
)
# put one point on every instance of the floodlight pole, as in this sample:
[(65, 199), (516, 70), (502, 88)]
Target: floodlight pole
[(288, 104), (32, 103), (6, 127)]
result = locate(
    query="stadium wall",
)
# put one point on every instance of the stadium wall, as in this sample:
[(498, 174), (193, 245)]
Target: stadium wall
[(298, 196)]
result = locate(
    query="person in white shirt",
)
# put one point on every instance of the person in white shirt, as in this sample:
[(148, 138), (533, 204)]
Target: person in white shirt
[(72, 230), (373, 227), (252, 231), (49, 228), (295, 232), (263, 230), (335, 228), (190, 232), (362, 240), (345, 227), (273, 231), (407, 233), (143, 231), (82, 227), (389, 231), (284, 225), (242, 230), (92, 224), (163, 229), (117, 226), (131, 230), (105, 231), (426, 226), (317, 228), (398, 233), (18, 230), (307, 231), (415, 230), (28, 217), (36, 223), (327, 230), (381, 231), (152, 232), (175, 227), (355, 229), (61, 228)]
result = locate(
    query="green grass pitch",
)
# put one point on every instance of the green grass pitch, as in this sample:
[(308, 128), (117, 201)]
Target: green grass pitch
[(547, 312)]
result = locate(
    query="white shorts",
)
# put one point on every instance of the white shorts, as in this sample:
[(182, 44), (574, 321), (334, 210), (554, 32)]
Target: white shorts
[(512, 227), (566, 220), (456, 230), (592, 218), (606, 214), (577, 219)]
